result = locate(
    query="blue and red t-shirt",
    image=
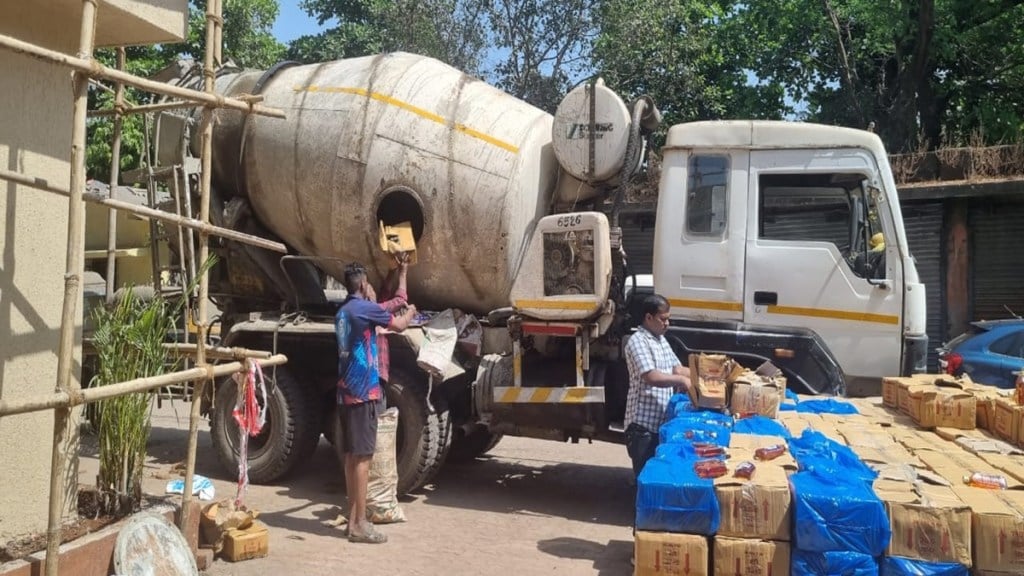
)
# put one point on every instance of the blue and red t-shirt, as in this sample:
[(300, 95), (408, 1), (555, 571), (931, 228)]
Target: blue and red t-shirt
[(356, 328)]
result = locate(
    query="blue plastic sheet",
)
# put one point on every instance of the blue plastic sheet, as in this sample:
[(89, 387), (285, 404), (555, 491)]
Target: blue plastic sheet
[(826, 406), (832, 564), (672, 498), (678, 405), (711, 426), (815, 451), (761, 426), (787, 407), (685, 451), (792, 397), (896, 566), (832, 513)]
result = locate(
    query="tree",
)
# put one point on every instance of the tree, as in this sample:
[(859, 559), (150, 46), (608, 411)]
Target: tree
[(926, 72), (448, 30), (543, 46), (687, 55), (247, 41)]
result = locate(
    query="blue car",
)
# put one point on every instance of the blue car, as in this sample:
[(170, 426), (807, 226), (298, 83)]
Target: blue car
[(990, 353)]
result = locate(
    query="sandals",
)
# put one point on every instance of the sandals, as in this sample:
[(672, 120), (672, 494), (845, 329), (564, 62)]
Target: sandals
[(371, 537)]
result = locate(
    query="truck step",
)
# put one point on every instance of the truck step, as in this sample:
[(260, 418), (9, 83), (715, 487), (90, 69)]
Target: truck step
[(559, 395)]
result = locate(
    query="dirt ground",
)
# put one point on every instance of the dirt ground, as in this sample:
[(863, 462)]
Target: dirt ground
[(530, 507)]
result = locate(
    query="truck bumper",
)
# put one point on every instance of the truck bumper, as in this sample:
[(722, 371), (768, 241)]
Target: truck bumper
[(915, 355)]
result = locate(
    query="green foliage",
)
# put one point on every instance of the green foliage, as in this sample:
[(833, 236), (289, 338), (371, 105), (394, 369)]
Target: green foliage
[(687, 55), (129, 341), (247, 41), (448, 30), (543, 44)]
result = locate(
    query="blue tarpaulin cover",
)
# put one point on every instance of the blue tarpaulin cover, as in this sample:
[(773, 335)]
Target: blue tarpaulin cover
[(815, 451), (826, 406), (672, 498), (835, 513), (896, 566), (715, 427), (761, 426), (832, 564)]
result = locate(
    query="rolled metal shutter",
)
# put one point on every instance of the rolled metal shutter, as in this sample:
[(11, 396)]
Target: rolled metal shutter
[(923, 222), (997, 258), (638, 240)]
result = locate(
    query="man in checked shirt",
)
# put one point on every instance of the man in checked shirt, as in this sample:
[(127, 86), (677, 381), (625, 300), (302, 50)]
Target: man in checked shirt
[(655, 373)]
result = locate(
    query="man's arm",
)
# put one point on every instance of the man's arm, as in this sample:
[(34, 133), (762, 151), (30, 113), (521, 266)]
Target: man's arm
[(395, 298), (647, 367), (402, 321)]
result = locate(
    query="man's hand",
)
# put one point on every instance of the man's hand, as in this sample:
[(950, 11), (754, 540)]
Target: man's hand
[(402, 260)]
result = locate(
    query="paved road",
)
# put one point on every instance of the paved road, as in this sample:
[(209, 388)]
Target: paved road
[(531, 507)]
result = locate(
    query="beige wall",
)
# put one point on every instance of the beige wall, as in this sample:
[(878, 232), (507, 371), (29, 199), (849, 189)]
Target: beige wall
[(35, 136), (35, 132)]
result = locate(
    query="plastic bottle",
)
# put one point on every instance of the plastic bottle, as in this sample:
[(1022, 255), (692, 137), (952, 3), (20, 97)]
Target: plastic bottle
[(770, 452), (710, 468), (708, 450), (745, 470), (982, 480)]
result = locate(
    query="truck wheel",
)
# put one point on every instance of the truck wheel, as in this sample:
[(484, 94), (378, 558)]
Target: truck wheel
[(288, 438), (468, 447), (423, 438)]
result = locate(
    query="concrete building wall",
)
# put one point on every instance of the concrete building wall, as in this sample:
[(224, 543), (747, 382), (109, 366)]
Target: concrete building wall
[(35, 135), (35, 138)]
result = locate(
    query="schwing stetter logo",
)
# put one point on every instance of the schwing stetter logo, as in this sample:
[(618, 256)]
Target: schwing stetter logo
[(580, 130)]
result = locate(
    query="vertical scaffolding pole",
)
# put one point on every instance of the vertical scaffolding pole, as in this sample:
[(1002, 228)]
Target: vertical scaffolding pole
[(213, 12), (115, 178), (72, 289)]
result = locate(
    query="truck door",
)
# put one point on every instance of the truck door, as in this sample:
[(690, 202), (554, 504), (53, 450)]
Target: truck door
[(816, 256), (702, 213)]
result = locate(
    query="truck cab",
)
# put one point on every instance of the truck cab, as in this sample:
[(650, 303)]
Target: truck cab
[(784, 241)]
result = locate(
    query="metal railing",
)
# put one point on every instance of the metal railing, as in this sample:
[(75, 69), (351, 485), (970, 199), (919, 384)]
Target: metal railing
[(68, 392)]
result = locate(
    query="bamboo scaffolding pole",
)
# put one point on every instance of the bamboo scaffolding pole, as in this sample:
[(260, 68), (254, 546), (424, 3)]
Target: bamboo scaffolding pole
[(97, 70), (213, 19), (74, 265), (115, 178), (218, 353), (67, 400), (149, 213), (144, 108)]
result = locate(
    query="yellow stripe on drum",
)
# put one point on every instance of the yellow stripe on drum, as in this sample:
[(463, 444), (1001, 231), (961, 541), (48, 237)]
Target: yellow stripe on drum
[(422, 113), (541, 395)]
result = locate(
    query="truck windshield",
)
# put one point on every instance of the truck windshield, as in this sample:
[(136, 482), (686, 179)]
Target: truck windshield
[(838, 208)]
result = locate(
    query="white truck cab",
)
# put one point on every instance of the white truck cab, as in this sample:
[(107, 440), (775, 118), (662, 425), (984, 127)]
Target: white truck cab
[(784, 241)]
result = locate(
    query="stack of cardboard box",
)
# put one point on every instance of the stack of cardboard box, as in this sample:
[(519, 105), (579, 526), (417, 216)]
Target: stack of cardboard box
[(923, 436)]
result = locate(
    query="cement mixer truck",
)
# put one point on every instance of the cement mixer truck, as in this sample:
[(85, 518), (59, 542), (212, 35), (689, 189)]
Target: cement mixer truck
[(766, 246)]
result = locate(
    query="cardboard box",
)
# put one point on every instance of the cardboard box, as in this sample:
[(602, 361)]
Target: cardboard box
[(755, 508), (796, 422), (752, 394), (891, 387), (928, 523), (936, 406), (1011, 465), (955, 464), (997, 528), (1007, 419), (667, 554), (750, 557), (986, 403), (398, 238), (246, 544), (714, 373)]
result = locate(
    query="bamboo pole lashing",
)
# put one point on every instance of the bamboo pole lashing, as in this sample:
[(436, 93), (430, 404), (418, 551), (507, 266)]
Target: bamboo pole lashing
[(150, 213)]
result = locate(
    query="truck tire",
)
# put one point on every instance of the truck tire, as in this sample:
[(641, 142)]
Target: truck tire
[(423, 437), (289, 436), (468, 447)]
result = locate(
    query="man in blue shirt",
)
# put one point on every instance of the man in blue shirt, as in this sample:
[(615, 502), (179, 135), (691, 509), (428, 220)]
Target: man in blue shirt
[(360, 397)]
